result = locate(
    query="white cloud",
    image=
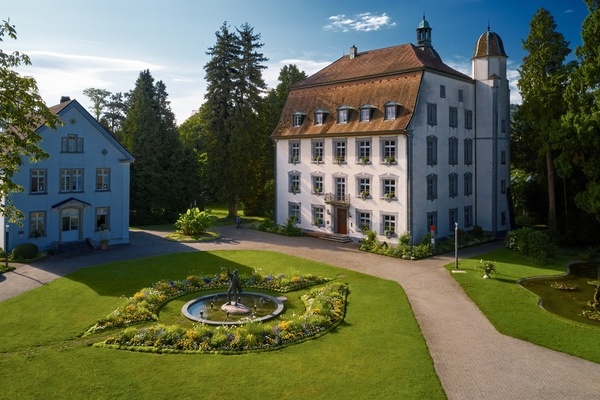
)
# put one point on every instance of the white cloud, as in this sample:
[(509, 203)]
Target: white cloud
[(365, 22)]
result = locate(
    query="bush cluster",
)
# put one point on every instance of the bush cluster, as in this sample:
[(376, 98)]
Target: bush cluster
[(324, 307), (194, 222), (533, 244), (25, 251), (289, 229), (403, 250)]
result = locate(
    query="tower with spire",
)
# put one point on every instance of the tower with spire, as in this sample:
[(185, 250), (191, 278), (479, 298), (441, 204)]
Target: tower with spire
[(492, 127)]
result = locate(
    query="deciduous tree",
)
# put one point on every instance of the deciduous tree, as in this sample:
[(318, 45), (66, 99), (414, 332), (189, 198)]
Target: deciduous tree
[(22, 112)]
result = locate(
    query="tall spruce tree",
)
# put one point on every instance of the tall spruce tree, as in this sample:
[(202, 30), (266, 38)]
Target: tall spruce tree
[(581, 134), (542, 82), (233, 101), (162, 176)]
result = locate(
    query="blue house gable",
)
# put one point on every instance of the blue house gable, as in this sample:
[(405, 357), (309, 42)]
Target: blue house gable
[(80, 193)]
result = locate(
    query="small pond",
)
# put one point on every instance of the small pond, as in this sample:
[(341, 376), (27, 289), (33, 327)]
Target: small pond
[(566, 303)]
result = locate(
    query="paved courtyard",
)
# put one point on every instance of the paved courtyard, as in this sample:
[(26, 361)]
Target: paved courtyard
[(471, 358)]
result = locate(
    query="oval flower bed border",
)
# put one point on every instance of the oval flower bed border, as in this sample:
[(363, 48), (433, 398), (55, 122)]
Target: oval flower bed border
[(325, 309)]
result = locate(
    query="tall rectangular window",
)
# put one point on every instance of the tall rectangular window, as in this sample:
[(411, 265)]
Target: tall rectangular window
[(294, 151), (102, 220), (503, 126), (468, 216), (363, 148), (317, 182), (431, 114), (452, 218), (294, 181), (453, 117), (320, 116), (388, 224), (340, 189), (388, 187), (38, 181), (431, 220), (37, 223), (388, 150), (460, 95), (442, 91), (339, 151), (71, 144), (294, 211), (297, 120), (71, 180), (452, 151), (453, 185), (468, 119), (468, 183), (468, 147), (364, 220), (431, 186), (102, 179), (503, 218), (503, 186), (503, 157), (317, 150), (318, 215), (431, 150), (364, 187)]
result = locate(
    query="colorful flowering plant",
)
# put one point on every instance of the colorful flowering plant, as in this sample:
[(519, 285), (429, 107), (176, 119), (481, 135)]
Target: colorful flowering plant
[(325, 308), (144, 305)]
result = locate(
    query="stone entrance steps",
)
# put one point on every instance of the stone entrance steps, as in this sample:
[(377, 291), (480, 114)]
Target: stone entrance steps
[(80, 247), (335, 237)]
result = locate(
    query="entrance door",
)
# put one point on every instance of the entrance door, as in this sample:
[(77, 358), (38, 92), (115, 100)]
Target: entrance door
[(69, 225), (342, 221)]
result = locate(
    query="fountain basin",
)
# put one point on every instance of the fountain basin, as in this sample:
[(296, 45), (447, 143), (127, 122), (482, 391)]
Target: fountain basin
[(213, 310)]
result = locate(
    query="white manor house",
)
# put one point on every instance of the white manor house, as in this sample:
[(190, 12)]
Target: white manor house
[(396, 141)]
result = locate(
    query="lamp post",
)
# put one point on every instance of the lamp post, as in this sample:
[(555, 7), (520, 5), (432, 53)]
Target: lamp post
[(6, 246), (456, 245)]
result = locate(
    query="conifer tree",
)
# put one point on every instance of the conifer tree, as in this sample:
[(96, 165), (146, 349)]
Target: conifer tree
[(543, 79), (581, 134), (233, 102), (162, 177)]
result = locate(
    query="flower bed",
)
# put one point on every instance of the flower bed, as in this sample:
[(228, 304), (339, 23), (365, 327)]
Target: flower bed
[(144, 305), (325, 308)]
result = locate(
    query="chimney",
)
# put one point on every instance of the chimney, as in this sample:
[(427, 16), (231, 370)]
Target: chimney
[(64, 99), (352, 52)]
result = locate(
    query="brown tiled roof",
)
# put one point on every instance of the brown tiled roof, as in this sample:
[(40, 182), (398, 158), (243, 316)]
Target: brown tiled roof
[(390, 60), (372, 77)]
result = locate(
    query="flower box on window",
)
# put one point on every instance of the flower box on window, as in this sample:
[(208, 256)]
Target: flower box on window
[(389, 160), (389, 196), (364, 160)]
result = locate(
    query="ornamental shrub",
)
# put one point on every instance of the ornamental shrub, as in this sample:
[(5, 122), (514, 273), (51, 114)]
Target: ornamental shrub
[(25, 251), (193, 222), (534, 244)]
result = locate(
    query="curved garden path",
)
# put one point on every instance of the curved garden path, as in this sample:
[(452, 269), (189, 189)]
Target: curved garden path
[(472, 360)]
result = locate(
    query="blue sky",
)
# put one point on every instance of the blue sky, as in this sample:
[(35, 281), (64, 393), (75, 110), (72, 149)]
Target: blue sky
[(77, 44)]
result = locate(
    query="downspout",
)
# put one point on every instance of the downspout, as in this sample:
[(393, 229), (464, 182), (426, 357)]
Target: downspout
[(409, 183)]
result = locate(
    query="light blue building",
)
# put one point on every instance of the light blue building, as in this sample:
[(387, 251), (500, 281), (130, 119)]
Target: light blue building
[(80, 193)]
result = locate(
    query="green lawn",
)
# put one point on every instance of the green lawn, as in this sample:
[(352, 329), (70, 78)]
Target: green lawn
[(514, 310), (378, 352)]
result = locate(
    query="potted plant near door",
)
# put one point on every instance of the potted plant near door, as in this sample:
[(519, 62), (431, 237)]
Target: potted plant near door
[(104, 239)]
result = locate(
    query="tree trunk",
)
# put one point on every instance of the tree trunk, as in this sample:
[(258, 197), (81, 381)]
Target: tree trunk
[(232, 208), (551, 192)]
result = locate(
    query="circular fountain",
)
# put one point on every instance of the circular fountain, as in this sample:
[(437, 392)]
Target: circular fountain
[(215, 309)]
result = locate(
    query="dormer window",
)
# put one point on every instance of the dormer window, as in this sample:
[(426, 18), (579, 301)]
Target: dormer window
[(366, 112), (343, 114), (320, 116), (391, 110), (297, 119)]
